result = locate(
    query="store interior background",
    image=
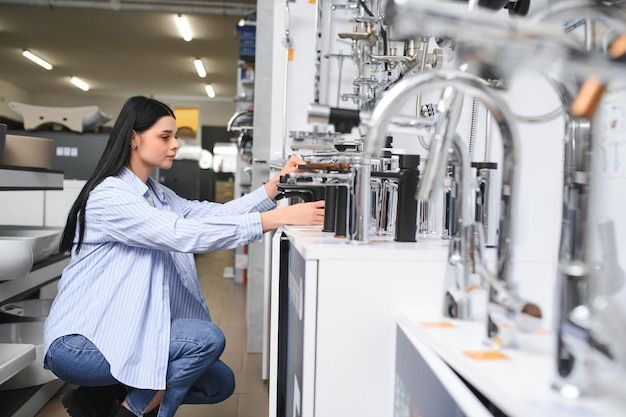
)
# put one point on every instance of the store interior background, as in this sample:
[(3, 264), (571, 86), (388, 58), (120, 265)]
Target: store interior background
[(121, 51), (285, 74)]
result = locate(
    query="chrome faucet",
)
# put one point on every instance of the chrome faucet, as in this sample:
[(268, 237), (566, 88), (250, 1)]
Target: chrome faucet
[(587, 328), (590, 328), (457, 280), (454, 82)]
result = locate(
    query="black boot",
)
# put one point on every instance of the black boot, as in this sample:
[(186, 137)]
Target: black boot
[(93, 401), (123, 412), (153, 413)]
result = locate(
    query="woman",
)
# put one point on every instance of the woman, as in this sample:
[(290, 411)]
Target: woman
[(129, 311)]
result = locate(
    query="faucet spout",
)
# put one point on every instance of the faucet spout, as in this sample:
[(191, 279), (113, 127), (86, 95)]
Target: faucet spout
[(449, 109), (478, 87)]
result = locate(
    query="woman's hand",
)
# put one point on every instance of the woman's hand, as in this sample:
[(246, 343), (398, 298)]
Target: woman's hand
[(290, 166), (300, 214)]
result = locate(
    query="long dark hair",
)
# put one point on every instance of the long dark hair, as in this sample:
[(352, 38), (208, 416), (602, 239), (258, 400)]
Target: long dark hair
[(138, 114)]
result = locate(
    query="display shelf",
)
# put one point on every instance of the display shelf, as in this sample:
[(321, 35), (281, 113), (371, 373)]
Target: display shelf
[(42, 273), (516, 381), (27, 402), (19, 178), (13, 358)]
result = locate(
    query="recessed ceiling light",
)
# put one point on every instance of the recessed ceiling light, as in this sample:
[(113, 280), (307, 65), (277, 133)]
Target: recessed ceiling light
[(209, 90), (183, 27), (79, 83), (199, 67), (37, 60)]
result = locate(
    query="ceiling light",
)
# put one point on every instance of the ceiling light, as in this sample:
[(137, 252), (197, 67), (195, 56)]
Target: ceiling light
[(200, 67), (79, 83), (209, 90), (183, 27), (37, 60)]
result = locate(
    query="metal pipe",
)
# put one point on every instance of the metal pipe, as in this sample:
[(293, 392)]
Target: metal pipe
[(360, 199), (235, 117), (611, 16), (221, 8), (345, 119), (457, 268)]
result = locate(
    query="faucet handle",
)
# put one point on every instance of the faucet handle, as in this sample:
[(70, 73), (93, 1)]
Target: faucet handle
[(588, 98), (617, 50), (590, 93)]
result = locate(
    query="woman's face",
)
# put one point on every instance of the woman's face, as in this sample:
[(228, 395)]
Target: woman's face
[(155, 148)]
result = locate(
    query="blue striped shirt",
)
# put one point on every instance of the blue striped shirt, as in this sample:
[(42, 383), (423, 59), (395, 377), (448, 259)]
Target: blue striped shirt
[(136, 270)]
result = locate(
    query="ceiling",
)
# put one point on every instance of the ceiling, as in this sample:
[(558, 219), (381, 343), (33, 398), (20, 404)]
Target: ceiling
[(121, 47)]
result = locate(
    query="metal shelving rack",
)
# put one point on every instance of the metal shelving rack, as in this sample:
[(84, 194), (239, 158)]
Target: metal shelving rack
[(28, 401)]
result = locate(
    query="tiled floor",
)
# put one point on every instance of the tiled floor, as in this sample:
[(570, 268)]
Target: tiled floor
[(227, 301)]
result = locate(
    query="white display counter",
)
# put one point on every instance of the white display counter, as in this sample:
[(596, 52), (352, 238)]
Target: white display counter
[(515, 382), (333, 308)]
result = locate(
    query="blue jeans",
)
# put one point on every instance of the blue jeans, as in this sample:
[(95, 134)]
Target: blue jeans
[(195, 375)]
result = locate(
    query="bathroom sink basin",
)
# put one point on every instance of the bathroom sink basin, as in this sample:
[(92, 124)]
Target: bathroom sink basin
[(43, 241), (16, 259), (13, 358), (30, 333)]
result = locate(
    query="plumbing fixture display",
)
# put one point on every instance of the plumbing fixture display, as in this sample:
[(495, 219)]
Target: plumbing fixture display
[(449, 107), (586, 336), (511, 37), (581, 330), (384, 185), (416, 67), (397, 200), (324, 177), (405, 84)]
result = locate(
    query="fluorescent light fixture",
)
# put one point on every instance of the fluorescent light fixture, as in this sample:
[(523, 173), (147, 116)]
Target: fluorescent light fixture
[(79, 83), (200, 67), (37, 60), (209, 90), (183, 27)]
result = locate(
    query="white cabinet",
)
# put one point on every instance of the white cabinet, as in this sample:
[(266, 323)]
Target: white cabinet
[(332, 322)]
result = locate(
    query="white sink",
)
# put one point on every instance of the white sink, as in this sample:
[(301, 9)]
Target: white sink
[(29, 333), (44, 241), (16, 259), (13, 358)]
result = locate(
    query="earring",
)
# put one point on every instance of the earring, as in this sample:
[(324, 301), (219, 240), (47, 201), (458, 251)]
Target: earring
[(133, 146)]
